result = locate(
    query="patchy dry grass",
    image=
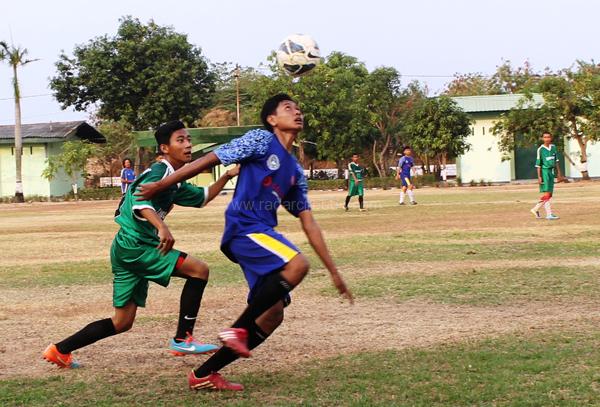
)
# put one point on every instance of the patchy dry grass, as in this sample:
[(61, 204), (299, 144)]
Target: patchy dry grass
[(451, 297)]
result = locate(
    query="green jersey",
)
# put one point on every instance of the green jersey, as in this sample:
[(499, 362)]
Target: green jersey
[(355, 169), (547, 157), (137, 227)]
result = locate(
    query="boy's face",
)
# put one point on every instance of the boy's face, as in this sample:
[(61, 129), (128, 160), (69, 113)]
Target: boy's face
[(547, 138), (127, 164), (287, 117), (408, 152), (179, 147), (355, 158)]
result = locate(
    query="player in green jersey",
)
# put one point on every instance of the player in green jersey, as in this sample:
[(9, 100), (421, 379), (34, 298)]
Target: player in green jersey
[(546, 163), (142, 251), (355, 182)]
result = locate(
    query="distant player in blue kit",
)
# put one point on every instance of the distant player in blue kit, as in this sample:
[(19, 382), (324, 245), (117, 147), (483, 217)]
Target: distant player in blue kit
[(269, 177), (403, 173), (127, 175)]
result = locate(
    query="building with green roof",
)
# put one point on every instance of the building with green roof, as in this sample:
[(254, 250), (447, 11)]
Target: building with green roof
[(484, 161)]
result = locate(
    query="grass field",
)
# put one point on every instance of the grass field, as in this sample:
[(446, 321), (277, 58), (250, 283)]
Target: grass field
[(464, 299)]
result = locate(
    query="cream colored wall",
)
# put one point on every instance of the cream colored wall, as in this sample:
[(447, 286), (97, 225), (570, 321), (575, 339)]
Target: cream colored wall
[(484, 160), (593, 151), (206, 179), (33, 163)]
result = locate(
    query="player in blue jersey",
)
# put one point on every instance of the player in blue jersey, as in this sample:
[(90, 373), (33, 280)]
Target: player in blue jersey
[(403, 173), (127, 175), (269, 177)]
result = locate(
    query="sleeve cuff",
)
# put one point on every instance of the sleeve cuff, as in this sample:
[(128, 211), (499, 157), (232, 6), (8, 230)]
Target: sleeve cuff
[(140, 207)]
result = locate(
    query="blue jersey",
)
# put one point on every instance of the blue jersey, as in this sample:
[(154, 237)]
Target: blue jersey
[(405, 163), (269, 177), (129, 175)]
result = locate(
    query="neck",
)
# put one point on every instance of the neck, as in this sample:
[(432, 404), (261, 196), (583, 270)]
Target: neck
[(547, 145), (286, 138), (176, 164)]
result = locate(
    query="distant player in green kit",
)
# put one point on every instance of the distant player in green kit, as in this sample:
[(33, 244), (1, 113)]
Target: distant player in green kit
[(355, 182), (142, 251), (546, 163)]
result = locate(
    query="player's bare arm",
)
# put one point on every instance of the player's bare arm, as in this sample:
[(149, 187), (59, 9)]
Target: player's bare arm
[(218, 186), (147, 191), (315, 238), (539, 174), (164, 234)]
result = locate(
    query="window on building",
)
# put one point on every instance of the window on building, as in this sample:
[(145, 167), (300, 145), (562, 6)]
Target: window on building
[(483, 130)]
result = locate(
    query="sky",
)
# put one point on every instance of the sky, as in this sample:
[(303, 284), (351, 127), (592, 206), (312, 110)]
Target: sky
[(428, 40)]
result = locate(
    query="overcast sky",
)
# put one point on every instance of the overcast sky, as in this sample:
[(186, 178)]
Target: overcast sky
[(433, 38)]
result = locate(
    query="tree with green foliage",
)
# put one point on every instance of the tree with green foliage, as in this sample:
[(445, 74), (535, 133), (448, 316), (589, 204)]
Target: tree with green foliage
[(144, 75), (388, 106), (72, 160), (16, 57), (120, 143), (505, 80), (570, 110), (438, 129), (336, 117)]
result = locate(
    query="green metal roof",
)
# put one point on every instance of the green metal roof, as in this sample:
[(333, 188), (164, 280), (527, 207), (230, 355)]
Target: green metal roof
[(493, 103), (200, 135)]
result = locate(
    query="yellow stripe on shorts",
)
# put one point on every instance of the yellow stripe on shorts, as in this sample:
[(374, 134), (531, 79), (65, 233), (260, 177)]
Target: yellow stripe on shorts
[(273, 245), (407, 180)]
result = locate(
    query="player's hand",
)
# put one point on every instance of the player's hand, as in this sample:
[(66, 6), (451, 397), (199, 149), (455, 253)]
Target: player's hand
[(234, 172), (540, 180), (397, 177), (166, 240), (146, 192), (340, 285)]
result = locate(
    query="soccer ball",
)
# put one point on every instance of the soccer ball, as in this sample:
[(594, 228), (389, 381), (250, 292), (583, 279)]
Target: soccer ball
[(298, 54)]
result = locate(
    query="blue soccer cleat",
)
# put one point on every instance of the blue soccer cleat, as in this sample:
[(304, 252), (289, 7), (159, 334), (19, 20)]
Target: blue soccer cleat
[(189, 346), (552, 217)]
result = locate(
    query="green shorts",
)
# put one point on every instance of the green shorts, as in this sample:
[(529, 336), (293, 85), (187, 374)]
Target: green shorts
[(547, 184), (134, 264), (355, 189)]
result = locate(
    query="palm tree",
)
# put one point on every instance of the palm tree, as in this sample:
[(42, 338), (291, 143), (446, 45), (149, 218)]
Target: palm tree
[(16, 57)]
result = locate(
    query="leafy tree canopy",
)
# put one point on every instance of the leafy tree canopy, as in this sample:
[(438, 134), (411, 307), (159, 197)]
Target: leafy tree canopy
[(145, 74)]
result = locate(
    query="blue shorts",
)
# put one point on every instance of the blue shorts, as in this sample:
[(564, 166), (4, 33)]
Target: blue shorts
[(405, 180), (260, 254)]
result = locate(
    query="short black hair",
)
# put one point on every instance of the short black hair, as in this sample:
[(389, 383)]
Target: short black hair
[(164, 131), (353, 154), (547, 132), (406, 148), (127, 159), (270, 107)]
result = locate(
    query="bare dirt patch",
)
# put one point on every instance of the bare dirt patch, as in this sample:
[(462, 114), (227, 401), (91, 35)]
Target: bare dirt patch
[(315, 328)]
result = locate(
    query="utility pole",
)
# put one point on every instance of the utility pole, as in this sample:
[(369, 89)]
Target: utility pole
[(237, 92)]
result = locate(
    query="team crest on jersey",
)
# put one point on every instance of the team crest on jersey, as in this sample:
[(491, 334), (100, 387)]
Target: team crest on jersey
[(273, 162)]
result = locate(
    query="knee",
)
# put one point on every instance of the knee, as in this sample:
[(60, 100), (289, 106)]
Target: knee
[(302, 266), (122, 325), (274, 316), (198, 270)]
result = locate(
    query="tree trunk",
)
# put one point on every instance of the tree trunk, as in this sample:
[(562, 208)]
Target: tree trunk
[(19, 197), (374, 158), (301, 155), (583, 148), (382, 157)]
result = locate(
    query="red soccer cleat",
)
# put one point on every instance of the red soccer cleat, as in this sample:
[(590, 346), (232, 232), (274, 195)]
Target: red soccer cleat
[(213, 381), (236, 339)]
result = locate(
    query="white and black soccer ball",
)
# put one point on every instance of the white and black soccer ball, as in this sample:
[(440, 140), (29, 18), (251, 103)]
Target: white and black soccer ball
[(298, 54)]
